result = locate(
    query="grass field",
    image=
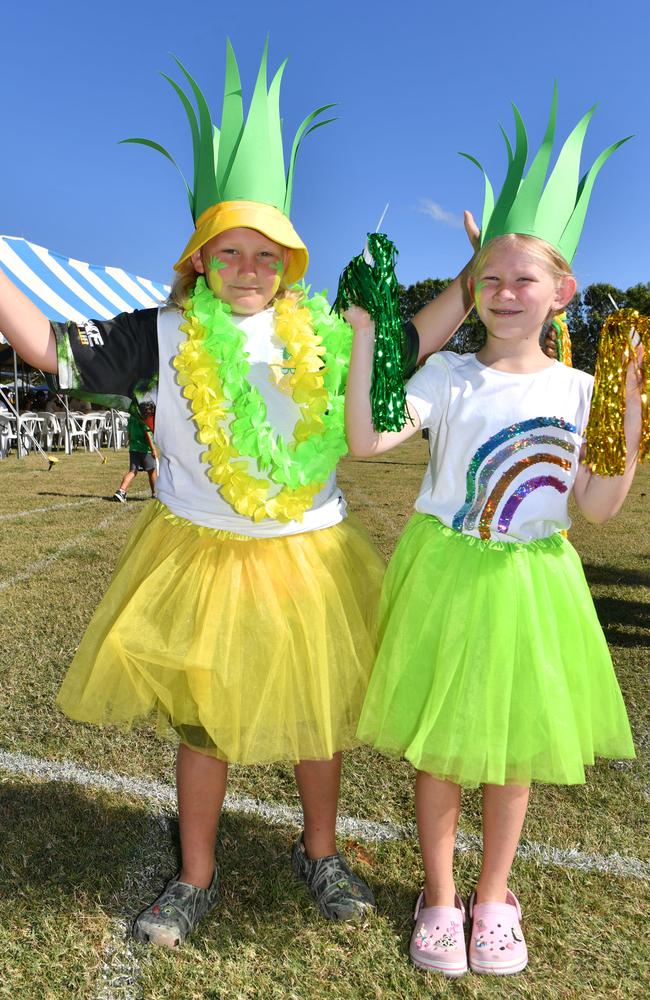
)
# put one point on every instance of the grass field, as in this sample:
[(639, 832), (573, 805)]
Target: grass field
[(76, 861)]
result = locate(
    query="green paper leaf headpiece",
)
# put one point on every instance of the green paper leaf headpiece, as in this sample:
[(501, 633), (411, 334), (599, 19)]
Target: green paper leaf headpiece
[(242, 160), (556, 212)]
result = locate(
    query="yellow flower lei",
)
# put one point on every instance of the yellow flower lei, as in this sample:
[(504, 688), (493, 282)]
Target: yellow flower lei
[(200, 375)]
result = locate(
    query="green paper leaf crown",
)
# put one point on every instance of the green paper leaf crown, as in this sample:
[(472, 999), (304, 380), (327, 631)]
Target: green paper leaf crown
[(556, 212), (242, 160)]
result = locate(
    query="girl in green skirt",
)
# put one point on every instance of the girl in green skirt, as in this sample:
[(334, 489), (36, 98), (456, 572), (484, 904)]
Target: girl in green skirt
[(493, 669)]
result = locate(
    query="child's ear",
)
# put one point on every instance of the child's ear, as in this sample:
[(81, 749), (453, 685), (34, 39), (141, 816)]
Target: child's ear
[(197, 261), (471, 287), (565, 291)]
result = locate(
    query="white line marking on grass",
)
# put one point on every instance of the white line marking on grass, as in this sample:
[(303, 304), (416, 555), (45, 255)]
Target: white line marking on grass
[(61, 506), (158, 794), (41, 564), (46, 510), (163, 797), (121, 967), (120, 970)]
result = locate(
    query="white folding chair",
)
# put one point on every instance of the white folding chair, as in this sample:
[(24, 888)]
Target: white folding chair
[(92, 425), (51, 431), (30, 426), (73, 429), (105, 429), (121, 424), (7, 433)]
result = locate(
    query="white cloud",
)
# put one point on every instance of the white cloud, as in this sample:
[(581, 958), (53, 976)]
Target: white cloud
[(439, 214)]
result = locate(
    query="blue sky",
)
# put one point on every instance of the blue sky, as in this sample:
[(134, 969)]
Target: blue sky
[(414, 82)]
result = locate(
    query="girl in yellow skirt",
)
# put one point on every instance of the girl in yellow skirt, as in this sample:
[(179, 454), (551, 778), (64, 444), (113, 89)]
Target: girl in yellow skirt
[(492, 668), (241, 612)]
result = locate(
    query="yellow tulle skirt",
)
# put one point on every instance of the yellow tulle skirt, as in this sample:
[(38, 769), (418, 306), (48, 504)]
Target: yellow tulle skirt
[(253, 650)]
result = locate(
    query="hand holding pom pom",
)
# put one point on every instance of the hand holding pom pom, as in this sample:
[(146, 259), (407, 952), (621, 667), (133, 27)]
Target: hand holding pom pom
[(619, 409), (359, 320), (369, 282)]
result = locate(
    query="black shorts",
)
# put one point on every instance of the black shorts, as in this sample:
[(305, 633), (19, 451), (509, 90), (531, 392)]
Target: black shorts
[(141, 461)]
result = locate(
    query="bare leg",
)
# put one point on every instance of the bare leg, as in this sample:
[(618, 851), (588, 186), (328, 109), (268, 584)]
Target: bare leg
[(127, 480), (153, 475), (201, 787), (437, 808), (318, 784), (504, 811)]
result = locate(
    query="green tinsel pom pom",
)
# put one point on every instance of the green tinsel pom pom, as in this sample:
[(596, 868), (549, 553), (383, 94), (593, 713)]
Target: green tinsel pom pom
[(376, 290)]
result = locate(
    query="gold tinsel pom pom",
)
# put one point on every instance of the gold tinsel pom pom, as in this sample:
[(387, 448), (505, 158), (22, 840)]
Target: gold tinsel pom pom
[(605, 436), (562, 340)]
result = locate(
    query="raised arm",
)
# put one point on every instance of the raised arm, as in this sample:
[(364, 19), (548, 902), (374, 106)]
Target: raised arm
[(363, 440), (26, 328), (601, 497), (441, 317)]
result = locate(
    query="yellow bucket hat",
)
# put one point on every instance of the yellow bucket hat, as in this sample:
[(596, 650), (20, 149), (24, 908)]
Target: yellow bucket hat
[(250, 215)]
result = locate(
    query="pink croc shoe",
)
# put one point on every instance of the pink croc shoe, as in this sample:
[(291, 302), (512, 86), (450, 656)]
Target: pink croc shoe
[(496, 943), (438, 939)]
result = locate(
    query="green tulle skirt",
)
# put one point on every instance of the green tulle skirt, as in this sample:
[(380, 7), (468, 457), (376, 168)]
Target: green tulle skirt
[(493, 667)]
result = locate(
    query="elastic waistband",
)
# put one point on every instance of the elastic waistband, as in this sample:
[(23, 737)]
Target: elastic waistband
[(200, 529), (555, 541)]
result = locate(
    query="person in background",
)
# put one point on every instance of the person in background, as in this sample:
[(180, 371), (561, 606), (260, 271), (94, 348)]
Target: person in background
[(143, 456), (54, 404)]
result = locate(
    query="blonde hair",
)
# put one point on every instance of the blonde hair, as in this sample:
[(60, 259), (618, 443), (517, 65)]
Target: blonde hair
[(183, 284), (547, 255), (551, 258)]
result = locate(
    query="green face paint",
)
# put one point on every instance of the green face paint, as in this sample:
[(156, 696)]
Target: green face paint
[(278, 267), (213, 277)]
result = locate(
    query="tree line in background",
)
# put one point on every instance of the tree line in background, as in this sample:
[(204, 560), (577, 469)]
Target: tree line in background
[(586, 314)]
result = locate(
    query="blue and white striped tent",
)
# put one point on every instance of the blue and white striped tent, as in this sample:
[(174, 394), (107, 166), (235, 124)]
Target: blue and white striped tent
[(65, 288)]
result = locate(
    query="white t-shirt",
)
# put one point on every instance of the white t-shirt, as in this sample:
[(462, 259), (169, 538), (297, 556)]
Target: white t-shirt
[(503, 447), (183, 484)]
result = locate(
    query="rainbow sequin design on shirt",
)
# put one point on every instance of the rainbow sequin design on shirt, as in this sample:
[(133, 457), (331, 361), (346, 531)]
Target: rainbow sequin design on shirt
[(483, 499)]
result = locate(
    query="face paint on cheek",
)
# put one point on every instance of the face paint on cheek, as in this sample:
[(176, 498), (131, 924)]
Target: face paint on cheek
[(278, 267), (214, 278), (478, 288)]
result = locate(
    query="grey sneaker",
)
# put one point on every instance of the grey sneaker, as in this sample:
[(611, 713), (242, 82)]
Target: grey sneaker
[(337, 891), (176, 912), (120, 495)]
